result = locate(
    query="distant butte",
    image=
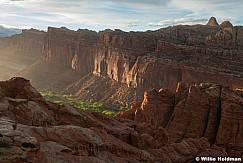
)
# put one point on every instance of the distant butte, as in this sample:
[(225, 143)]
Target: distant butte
[(226, 24), (212, 22)]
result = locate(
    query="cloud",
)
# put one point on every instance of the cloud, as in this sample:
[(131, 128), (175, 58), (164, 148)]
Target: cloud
[(132, 23), (123, 14), (108, 13), (221, 9), (179, 21), (131, 3)]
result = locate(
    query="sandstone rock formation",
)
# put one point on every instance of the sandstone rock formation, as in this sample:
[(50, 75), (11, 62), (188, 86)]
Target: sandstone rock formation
[(231, 122), (226, 24), (20, 51), (156, 108), (133, 62), (206, 110), (34, 130), (212, 22)]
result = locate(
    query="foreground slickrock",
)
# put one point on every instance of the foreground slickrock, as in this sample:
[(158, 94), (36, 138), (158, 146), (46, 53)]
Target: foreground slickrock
[(165, 127)]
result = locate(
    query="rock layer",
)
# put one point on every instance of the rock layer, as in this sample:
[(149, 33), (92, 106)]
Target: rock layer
[(139, 60)]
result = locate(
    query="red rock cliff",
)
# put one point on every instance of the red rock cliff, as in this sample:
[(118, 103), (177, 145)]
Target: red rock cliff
[(20, 51), (195, 111), (30, 41), (151, 59), (144, 60)]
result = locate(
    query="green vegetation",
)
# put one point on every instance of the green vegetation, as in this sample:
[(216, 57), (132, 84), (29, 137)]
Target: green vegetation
[(83, 105), (122, 108)]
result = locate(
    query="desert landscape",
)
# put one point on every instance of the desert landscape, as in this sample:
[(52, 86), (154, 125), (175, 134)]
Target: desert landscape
[(172, 94), (188, 116)]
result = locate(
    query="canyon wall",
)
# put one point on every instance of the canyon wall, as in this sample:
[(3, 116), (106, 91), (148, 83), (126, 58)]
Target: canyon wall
[(70, 49), (29, 42), (20, 51), (152, 59), (139, 60)]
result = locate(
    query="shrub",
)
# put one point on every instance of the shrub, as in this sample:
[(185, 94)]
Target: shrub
[(122, 108), (83, 105), (108, 112), (58, 102)]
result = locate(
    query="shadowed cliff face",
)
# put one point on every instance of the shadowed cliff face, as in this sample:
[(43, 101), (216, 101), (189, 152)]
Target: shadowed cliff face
[(139, 60), (29, 42), (197, 120), (20, 51), (69, 49)]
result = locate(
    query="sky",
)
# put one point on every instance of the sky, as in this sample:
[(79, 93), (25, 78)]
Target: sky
[(127, 15)]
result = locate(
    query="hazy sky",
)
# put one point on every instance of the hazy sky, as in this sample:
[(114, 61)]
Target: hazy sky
[(129, 15)]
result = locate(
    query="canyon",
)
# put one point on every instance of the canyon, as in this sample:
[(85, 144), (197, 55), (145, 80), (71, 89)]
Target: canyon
[(116, 67), (196, 120), (183, 86)]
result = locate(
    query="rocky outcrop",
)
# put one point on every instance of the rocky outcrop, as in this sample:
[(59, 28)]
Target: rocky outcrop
[(197, 115), (19, 88), (206, 110), (156, 108), (226, 24), (34, 130), (212, 22), (231, 122)]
